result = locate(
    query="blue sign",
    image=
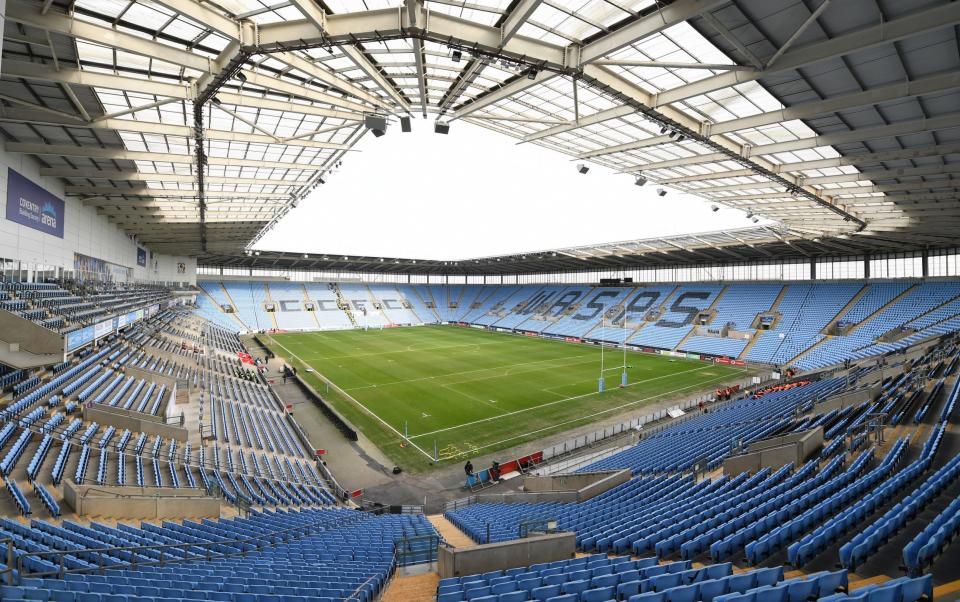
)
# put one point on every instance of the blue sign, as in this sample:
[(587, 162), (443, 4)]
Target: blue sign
[(33, 206), (141, 257), (79, 338)]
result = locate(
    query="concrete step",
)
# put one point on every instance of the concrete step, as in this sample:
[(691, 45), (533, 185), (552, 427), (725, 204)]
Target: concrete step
[(450, 533), (412, 588)]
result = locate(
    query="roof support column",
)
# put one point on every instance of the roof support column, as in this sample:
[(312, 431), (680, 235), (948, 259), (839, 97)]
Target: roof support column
[(813, 268), (866, 266), (925, 263)]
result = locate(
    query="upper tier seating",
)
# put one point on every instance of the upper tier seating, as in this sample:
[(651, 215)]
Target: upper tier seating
[(62, 310), (361, 303), (804, 310), (656, 316), (288, 299)]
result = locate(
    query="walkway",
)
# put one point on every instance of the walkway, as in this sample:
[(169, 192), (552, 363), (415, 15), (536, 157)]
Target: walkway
[(412, 588), (450, 533)]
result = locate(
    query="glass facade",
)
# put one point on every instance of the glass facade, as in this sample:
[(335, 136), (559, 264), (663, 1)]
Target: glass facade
[(940, 263)]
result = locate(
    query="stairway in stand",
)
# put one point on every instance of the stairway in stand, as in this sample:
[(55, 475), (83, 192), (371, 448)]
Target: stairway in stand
[(449, 532), (412, 588), (342, 303)]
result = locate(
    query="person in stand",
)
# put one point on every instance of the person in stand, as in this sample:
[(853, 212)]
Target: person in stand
[(495, 471), (702, 406), (468, 468)]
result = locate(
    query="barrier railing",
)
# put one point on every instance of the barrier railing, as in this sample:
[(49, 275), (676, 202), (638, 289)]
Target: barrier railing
[(416, 549), (356, 595), (8, 568)]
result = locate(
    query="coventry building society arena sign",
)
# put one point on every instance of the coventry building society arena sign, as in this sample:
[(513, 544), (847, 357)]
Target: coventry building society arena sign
[(32, 206)]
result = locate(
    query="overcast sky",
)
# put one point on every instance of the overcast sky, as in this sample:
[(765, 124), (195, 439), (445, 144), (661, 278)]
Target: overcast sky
[(474, 193)]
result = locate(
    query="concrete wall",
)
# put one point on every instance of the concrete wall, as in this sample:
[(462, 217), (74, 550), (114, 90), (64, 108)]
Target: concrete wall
[(457, 562), (522, 497), (585, 485), (135, 421), (776, 452), (31, 337), (150, 376), (85, 232), (145, 503), (847, 399)]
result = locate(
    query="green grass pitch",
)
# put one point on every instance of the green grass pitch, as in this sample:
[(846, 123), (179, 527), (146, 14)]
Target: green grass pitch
[(472, 391)]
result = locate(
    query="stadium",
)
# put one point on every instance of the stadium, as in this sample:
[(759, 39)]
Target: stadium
[(480, 300)]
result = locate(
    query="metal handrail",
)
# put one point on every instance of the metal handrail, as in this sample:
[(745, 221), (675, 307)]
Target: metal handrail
[(301, 530), (354, 594), (8, 541)]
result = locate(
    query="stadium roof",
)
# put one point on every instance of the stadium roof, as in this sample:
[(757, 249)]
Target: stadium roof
[(757, 244), (840, 120)]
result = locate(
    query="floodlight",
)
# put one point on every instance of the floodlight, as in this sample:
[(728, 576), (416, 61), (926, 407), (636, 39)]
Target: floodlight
[(305, 256), (663, 129), (582, 168), (456, 56), (681, 138), (241, 76), (641, 180), (661, 192), (714, 208), (749, 214), (215, 101), (531, 73), (756, 219), (440, 127), (257, 253)]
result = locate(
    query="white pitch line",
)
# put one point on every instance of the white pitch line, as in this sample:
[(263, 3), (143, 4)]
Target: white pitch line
[(407, 349), (601, 412), (499, 374), (550, 403), (351, 398), (467, 395)]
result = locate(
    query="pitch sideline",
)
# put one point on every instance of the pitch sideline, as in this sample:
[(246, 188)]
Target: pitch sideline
[(619, 407), (550, 403), (354, 400)]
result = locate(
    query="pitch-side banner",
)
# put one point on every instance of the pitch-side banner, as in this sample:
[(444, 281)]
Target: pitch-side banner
[(79, 338), (103, 328), (33, 206)]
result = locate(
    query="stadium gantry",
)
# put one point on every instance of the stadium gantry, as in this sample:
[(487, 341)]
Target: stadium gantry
[(760, 414)]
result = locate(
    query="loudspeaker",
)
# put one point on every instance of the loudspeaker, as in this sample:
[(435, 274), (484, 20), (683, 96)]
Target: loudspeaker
[(375, 122), (441, 128), (405, 124)]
